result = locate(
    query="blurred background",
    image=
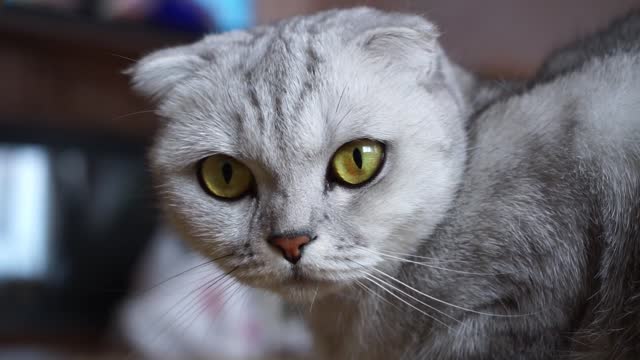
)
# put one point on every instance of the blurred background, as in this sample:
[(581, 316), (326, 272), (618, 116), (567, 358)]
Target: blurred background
[(76, 207)]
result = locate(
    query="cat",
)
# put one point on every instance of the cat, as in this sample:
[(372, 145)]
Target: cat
[(342, 161)]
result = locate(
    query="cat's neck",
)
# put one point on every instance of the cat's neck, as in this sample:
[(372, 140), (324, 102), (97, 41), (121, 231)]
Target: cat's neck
[(337, 320), (353, 322)]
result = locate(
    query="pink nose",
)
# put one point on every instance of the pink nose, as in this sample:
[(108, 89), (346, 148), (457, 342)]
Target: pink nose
[(291, 246)]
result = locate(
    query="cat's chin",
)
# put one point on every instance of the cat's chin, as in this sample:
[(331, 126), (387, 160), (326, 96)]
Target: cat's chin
[(305, 293), (296, 288)]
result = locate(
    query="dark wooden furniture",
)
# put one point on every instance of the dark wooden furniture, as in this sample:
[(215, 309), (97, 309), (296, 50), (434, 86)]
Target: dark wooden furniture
[(61, 72)]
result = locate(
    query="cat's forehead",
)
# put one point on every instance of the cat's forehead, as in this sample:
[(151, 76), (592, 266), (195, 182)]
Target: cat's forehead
[(271, 97), (272, 100)]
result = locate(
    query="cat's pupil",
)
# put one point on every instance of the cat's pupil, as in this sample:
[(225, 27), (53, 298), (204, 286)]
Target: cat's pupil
[(357, 158), (227, 172)]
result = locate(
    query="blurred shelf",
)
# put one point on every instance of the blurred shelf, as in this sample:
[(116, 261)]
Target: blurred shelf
[(64, 72), (119, 36)]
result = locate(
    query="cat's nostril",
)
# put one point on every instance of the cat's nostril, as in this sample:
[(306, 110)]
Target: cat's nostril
[(290, 246)]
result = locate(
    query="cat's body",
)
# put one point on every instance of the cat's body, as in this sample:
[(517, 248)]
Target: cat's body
[(512, 235), (551, 202)]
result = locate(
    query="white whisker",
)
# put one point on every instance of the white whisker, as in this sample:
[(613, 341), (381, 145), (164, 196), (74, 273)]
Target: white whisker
[(434, 259), (132, 114), (444, 302), (429, 265), (413, 297), (370, 291), (184, 272), (313, 300), (239, 288), (198, 308), (407, 254), (405, 302)]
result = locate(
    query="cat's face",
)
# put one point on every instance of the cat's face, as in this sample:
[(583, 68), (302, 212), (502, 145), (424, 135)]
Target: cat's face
[(246, 163)]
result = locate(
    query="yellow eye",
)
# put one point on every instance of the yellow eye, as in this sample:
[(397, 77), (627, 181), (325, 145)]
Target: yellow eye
[(357, 161), (225, 177)]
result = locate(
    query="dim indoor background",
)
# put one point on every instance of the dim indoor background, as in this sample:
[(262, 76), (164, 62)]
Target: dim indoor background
[(76, 206)]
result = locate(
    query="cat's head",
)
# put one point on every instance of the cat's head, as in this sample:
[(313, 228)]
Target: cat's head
[(296, 153)]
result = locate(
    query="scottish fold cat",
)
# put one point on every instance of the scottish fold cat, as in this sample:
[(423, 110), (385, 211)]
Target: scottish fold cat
[(342, 161)]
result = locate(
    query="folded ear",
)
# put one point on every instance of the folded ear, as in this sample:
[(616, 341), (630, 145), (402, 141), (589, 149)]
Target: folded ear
[(157, 73), (409, 42)]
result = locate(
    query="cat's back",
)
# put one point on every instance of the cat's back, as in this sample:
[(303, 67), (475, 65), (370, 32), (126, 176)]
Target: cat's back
[(589, 92), (583, 113)]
